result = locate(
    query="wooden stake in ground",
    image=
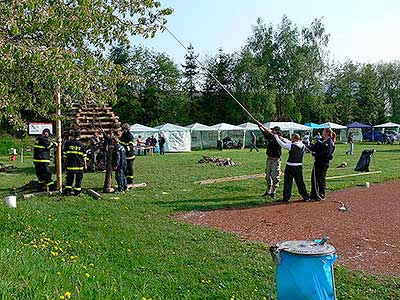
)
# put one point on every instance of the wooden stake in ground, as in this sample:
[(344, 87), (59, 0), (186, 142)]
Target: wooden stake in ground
[(59, 140), (107, 188)]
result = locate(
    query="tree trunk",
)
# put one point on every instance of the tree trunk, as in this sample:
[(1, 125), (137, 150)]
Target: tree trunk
[(109, 170)]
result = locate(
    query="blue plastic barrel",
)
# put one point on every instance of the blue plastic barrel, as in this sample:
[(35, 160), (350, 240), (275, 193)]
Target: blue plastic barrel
[(304, 270)]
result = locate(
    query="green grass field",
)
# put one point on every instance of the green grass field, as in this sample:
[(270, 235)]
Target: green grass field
[(131, 247)]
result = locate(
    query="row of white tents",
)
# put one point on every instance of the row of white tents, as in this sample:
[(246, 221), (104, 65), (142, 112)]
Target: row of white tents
[(199, 136)]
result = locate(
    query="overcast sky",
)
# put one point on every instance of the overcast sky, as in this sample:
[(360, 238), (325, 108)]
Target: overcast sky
[(360, 30)]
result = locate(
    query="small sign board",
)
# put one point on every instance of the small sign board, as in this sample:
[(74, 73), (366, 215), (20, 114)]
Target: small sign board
[(36, 128)]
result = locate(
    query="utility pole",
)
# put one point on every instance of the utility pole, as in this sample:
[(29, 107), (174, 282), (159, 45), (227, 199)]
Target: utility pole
[(58, 137)]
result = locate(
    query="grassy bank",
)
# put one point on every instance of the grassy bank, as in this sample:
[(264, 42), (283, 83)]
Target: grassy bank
[(130, 247)]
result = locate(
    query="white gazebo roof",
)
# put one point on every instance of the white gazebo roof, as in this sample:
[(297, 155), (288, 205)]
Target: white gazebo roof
[(387, 125), (171, 127), (199, 127), (142, 128), (226, 127), (333, 125), (249, 126), (287, 126)]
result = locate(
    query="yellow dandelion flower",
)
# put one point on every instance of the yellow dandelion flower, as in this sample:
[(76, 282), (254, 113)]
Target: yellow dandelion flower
[(54, 253), (63, 259), (67, 295), (84, 267), (91, 265), (61, 297), (87, 275)]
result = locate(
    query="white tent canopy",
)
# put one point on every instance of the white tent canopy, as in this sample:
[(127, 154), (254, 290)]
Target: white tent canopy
[(177, 138), (387, 125), (202, 136), (143, 131), (224, 130), (288, 126), (333, 125), (249, 126)]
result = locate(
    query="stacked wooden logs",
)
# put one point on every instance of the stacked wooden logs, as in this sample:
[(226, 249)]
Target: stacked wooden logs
[(90, 117)]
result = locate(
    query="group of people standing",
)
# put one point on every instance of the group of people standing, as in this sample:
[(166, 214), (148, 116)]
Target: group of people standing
[(322, 151), (118, 152)]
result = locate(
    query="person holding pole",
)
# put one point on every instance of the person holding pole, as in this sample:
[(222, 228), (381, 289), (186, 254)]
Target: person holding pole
[(323, 154), (75, 157), (294, 166), (273, 162), (41, 159)]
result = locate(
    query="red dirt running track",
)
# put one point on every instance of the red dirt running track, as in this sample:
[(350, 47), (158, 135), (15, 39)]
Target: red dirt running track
[(367, 237)]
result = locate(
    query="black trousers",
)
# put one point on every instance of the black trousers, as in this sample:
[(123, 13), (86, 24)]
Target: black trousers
[(129, 171), (120, 177), (318, 180), (71, 176), (296, 173), (43, 173)]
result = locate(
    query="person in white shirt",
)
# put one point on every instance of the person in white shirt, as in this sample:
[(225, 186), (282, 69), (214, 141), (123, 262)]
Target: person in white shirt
[(294, 167)]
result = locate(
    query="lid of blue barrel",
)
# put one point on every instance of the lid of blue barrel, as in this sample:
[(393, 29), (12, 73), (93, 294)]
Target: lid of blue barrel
[(306, 248)]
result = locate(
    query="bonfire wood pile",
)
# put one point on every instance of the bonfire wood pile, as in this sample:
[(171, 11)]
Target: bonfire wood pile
[(90, 117), (7, 168), (223, 162)]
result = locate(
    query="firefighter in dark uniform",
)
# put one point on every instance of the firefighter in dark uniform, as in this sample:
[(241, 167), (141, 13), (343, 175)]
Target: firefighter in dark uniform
[(41, 159), (126, 140), (75, 160)]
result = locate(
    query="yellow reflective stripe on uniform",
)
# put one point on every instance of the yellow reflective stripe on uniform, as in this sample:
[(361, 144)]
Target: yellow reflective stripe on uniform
[(74, 152), (68, 187), (41, 160), (74, 168), (129, 176), (77, 189), (50, 183), (38, 146), (122, 143), (131, 157), (42, 181)]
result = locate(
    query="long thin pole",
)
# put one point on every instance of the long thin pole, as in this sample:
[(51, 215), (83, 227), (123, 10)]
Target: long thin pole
[(211, 74), (58, 137)]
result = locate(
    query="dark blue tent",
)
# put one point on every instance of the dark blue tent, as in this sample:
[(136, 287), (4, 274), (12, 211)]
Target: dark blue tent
[(358, 125)]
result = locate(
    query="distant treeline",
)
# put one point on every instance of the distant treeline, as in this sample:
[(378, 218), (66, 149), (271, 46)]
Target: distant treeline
[(282, 73)]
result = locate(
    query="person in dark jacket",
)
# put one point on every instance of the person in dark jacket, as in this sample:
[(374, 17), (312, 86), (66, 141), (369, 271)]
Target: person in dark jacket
[(41, 159), (350, 141), (294, 166), (323, 154), (126, 141), (119, 165), (75, 159), (273, 162), (253, 144), (161, 143)]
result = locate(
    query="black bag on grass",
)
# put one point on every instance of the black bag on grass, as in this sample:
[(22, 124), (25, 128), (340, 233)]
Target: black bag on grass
[(365, 160)]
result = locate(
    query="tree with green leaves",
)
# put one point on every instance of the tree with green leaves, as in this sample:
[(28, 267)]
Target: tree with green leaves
[(47, 46), (151, 92)]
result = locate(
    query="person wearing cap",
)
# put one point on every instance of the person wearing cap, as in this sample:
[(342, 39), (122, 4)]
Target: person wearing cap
[(126, 141), (75, 157), (294, 166), (273, 162), (41, 159)]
